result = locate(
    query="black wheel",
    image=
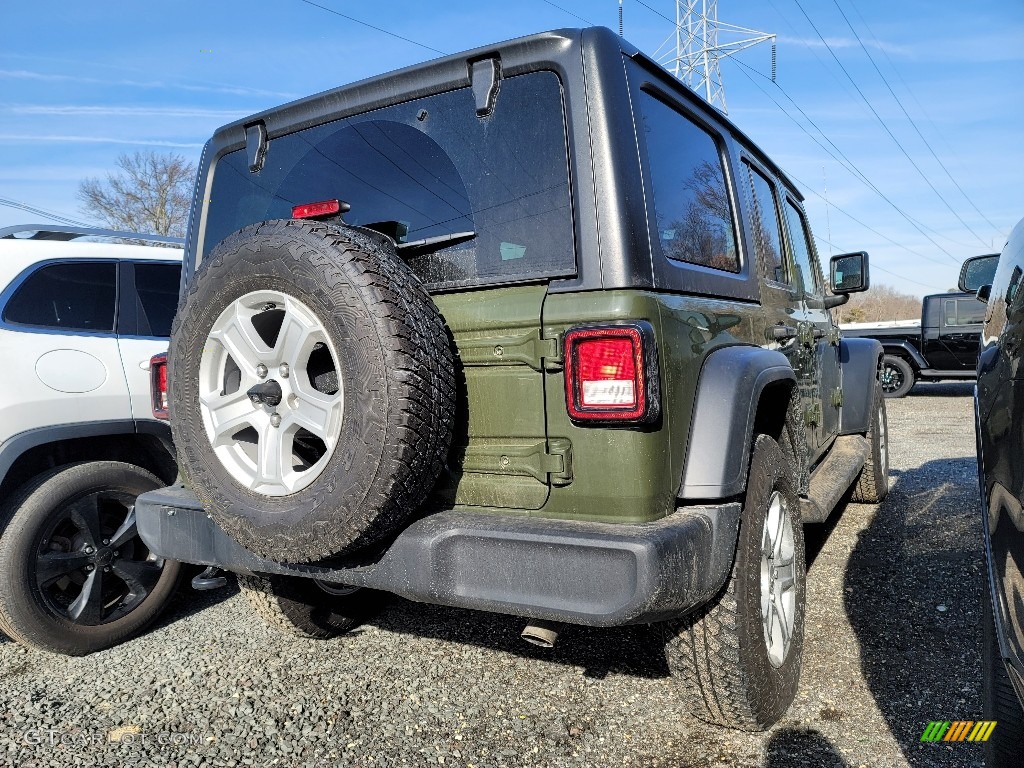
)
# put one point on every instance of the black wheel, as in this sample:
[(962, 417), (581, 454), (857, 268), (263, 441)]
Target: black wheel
[(737, 660), (312, 389), (308, 607), (74, 575), (873, 482), (999, 700), (897, 376)]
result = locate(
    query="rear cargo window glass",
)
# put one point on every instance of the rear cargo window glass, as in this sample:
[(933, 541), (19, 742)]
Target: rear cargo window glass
[(73, 297), (426, 170), (767, 240), (156, 292), (694, 217), (964, 312)]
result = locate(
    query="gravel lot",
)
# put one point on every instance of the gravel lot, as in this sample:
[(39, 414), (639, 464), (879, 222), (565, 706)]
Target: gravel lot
[(893, 641)]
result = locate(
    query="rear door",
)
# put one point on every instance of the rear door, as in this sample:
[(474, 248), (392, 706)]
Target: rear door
[(59, 344), (782, 295), (962, 320), (148, 298)]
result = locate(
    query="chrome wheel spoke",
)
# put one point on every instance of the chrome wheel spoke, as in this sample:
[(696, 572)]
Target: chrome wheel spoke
[(270, 464), (296, 337), (228, 414), (239, 338)]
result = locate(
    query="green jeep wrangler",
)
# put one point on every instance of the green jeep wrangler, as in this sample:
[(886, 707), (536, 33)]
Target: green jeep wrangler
[(529, 329)]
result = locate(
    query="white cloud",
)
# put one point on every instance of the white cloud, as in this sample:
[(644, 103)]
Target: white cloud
[(112, 111), (24, 74), (846, 42)]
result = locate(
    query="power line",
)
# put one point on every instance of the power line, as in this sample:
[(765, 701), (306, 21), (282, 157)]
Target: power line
[(845, 161), (575, 16), (884, 126), (371, 26), (848, 164), (875, 266), (910, 119), (42, 212)]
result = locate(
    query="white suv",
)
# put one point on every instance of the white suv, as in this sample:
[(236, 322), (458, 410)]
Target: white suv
[(82, 311)]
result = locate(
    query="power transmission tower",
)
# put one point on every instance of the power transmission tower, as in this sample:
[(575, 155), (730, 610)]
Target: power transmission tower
[(698, 48)]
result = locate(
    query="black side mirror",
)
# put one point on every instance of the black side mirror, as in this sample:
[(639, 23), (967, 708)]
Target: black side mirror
[(983, 293), (850, 273), (978, 271)]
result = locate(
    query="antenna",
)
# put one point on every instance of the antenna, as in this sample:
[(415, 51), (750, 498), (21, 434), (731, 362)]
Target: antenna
[(698, 49)]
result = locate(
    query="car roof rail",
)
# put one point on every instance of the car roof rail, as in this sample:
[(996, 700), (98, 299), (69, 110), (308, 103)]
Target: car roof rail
[(62, 232)]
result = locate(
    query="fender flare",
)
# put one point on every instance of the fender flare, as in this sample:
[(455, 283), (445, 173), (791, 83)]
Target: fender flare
[(724, 412), (13, 448), (860, 360), (905, 347)]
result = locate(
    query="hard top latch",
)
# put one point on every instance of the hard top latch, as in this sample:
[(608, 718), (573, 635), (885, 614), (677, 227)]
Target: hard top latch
[(485, 75)]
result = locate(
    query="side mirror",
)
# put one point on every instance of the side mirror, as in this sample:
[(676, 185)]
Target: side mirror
[(850, 273), (978, 271), (983, 293)]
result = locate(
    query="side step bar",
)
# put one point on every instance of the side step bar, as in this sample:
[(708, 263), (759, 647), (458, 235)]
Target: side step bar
[(833, 477)]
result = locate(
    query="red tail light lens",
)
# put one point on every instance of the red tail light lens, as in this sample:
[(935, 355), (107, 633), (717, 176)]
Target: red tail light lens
[(312, 210), (611, 374), (158, 382)]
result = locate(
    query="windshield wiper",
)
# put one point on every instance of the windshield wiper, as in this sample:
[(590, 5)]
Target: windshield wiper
[(434, 243)]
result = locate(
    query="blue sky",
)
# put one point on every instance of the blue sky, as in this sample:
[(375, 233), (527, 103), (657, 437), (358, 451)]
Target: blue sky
[(81, 83)]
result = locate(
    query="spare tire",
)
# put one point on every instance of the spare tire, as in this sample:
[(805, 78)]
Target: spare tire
[(311, 388)]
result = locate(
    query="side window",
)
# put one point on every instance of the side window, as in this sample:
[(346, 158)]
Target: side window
[(694, 216), (803, 256), (156, 297), (964, 312), (767, 240), (76, 297)]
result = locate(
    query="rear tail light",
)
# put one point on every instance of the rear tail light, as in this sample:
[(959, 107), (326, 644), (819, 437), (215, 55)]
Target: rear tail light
[(611, 374), (158, 384)]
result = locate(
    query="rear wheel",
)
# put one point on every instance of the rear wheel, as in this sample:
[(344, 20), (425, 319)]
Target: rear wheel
[(897, 376), (999, 700), (738, 659), (309, 607), (74, 575)]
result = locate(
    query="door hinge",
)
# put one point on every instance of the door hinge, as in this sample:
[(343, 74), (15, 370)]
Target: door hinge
[(523, 349), (812, 415), (837, 397), (549, 461), (834, 336)]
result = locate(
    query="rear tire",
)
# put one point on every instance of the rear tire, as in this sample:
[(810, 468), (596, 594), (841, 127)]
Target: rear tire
[(728, 671), (999, 700), (897, 376), (56, 595), (308, 608), (872, 484)]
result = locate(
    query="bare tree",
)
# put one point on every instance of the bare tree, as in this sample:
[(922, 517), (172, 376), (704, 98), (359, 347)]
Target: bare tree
[(151, 192), (880, 303)]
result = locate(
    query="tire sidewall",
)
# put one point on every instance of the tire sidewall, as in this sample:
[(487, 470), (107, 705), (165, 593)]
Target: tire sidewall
[(25, 605), (775, 686), (298, 268)]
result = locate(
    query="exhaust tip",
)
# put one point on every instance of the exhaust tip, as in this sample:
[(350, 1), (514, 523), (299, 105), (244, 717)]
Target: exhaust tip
[(543, 634)]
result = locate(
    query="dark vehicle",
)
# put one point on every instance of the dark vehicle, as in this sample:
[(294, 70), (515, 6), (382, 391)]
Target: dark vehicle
[(546, 287), (999, 407), (943, 345)]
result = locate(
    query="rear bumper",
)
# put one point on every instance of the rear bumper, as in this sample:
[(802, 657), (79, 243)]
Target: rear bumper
[(595, 574)]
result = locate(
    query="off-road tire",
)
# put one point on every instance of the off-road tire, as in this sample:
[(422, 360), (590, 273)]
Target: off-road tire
[(872, 484), (906, 371), (999, 700), (397, 370), (300, 607), (25, 615), (718, 655)]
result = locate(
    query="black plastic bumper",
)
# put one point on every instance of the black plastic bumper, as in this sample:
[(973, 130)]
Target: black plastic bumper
[(596, 574)]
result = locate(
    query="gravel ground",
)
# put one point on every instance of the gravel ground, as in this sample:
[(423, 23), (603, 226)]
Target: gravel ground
[(893, 641)]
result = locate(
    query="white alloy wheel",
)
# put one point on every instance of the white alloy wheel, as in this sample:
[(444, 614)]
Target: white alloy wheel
[(778, 580), (270, 393)]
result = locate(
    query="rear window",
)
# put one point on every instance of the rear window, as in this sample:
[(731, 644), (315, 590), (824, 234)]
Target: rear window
[(964, 312), (428, 169), (76, 296)]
